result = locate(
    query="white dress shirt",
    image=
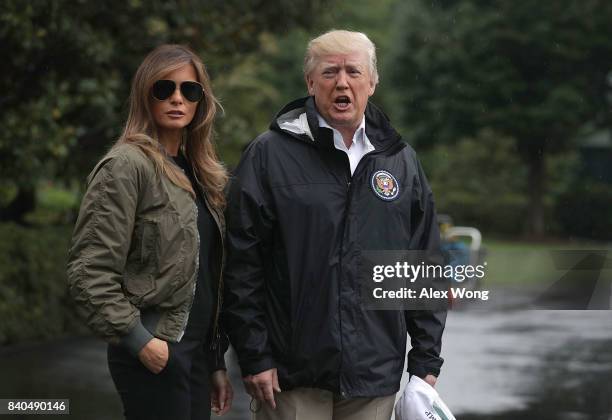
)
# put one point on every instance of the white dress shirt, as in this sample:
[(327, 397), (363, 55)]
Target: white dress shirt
[(360, 145)]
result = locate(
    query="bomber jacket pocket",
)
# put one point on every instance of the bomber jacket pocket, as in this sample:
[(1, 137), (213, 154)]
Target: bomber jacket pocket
[(141, 265), (139, 284)]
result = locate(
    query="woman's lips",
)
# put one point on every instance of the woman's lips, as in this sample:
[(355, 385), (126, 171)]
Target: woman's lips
[(175, 114)]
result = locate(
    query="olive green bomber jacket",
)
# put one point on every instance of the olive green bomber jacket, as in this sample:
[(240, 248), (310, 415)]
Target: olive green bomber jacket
[(133, 262)]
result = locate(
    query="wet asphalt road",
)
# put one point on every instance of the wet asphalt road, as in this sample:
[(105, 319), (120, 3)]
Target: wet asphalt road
[(541, 365)]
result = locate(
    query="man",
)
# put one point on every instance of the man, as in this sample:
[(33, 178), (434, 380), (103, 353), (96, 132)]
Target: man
[(329, 180)]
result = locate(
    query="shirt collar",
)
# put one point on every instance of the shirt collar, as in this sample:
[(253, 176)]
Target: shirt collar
[(359, 135)]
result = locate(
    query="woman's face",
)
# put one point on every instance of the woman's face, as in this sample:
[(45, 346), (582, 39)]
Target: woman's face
[(173, 114)]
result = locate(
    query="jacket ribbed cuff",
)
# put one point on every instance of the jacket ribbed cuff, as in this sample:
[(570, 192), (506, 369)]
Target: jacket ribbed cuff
[(136, 339)]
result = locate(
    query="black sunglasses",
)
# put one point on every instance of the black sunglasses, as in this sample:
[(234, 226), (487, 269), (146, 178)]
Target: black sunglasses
[(163, 89)]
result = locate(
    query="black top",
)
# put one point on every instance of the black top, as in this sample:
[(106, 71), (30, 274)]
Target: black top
[(202, 310)]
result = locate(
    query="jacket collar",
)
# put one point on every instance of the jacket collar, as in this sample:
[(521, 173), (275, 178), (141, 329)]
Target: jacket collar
[(299, 120)]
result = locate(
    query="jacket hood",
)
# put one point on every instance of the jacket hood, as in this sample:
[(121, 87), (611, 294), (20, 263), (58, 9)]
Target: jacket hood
[(299, 119)]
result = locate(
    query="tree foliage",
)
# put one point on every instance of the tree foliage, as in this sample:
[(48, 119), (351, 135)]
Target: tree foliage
[(268, 78), (533, 71), (468, 198), (66, 76)]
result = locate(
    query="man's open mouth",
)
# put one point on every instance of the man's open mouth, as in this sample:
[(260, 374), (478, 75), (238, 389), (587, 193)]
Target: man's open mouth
[(342, 102)]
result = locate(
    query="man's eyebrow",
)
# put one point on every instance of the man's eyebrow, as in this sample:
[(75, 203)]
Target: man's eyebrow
[(330, 66), (356, 64)]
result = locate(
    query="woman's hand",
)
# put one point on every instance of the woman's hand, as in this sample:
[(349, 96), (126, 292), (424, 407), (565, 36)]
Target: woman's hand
[(221, 394), (154, 355)]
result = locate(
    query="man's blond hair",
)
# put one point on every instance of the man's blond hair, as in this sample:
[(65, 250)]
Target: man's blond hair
[(340, 42)]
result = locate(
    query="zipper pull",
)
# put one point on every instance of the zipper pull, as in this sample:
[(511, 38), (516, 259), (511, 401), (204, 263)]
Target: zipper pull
[(215, 342)]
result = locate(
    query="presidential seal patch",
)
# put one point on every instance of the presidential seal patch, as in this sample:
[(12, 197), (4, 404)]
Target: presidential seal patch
[(385, 185)]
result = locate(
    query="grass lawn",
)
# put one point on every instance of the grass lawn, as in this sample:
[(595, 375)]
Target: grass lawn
[(520, 263)]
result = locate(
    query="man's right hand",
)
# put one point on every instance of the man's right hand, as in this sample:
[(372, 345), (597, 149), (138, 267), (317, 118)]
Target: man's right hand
[(262, 386), (154, 355)]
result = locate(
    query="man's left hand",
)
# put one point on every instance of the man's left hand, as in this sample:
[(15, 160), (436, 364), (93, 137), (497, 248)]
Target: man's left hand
[(430, 379), (221, 394)]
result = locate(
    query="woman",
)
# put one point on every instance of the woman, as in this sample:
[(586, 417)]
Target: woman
[(147, 251)]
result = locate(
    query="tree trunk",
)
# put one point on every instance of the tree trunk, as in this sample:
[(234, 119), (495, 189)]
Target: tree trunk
[(536, 184), (24, 202)]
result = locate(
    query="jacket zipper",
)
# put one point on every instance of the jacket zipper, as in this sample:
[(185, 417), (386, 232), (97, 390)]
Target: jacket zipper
[(197, 266), (195, 274), (215, 216), (347, 208), (346, 216), (216, 334)]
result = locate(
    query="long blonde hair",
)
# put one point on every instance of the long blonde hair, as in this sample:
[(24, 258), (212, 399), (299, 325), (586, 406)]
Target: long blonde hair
[(140, 128)]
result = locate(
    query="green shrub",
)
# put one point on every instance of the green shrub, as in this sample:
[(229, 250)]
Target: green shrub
[(55, 205), (479, 182), (34, 302)]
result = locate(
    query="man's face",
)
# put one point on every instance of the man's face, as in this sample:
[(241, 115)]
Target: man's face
[(341, 85)]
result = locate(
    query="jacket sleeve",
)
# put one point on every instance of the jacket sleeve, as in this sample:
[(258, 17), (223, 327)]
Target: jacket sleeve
[(100, 244), (424, 326), (250, 221)]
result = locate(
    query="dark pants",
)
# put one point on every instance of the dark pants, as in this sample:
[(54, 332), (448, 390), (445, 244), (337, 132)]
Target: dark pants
[(179, 392)]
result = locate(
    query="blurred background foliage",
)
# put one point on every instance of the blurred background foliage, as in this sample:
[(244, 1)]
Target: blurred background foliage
[(507, 104), (536, 72)]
